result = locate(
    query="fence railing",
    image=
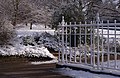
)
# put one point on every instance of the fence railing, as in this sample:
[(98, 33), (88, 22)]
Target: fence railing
[(93, 44)]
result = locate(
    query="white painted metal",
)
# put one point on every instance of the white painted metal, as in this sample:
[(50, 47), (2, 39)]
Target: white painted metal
[(85, 45), (98, 50), (66, 53), (59, 59), (70, 45), (91, 43), (63, 46), (108, 48), (102, 49), (80, 51), (115, 47), (94, 53), (75, 44)]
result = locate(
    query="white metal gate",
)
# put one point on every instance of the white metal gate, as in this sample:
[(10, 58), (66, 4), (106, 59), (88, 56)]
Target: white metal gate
[(94, 44)]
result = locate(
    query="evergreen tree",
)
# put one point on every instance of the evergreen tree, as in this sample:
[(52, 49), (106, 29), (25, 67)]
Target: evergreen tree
[(92, 8), (71, 10)]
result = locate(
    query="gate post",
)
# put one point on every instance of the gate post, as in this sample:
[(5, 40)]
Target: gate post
[(63, 46)]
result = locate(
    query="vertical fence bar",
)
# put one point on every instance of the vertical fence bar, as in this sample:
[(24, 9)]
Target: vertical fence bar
[(85, 43), (115, 46), (70, 44), (91, 43), (94, 44), (63, 46), (59, 44), (80, 44), (108, 49), (98, 51), (66, 45), (102, 48), (75, 42)]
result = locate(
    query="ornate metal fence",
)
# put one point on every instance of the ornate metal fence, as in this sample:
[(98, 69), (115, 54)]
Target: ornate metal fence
[(94, 44)]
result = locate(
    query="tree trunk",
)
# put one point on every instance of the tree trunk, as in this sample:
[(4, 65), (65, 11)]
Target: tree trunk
[(16, 4), (45, 25), (26, 23), (30, 26)]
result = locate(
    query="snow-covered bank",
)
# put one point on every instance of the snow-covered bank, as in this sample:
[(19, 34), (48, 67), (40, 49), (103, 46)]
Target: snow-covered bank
[(30, 51)]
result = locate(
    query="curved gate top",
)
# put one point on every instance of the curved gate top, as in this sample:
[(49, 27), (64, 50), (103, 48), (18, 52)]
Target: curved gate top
[(95, 44)]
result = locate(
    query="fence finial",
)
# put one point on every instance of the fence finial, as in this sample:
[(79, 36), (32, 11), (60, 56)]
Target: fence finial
[(63, 21)]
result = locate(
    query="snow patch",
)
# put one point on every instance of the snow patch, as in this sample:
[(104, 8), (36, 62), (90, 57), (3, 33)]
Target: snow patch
[(45, 62)]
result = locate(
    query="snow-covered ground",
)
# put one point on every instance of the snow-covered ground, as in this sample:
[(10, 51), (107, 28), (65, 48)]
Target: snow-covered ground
[(23, 30), (33, 32), (87, 74), (111, 32), (34, 27), (82, 74)]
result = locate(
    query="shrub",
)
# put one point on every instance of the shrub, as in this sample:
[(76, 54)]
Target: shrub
[(29, 40)]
